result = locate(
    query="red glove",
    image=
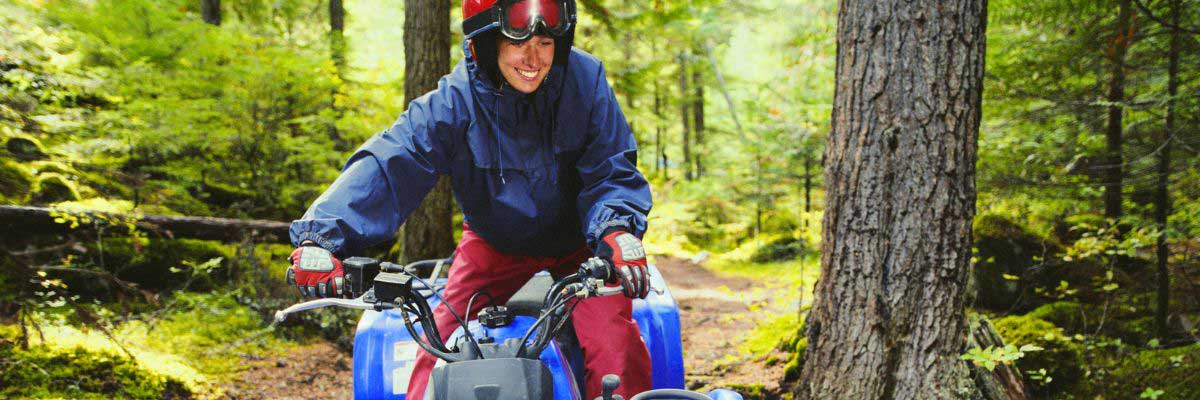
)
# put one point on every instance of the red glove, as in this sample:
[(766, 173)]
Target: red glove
[(628, 259), (316, 272)]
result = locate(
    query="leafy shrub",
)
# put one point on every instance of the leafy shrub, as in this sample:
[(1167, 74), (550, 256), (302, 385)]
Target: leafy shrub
[(1059, 357), (43, 372)]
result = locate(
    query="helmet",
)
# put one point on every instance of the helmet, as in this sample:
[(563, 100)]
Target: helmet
[(517, 20)]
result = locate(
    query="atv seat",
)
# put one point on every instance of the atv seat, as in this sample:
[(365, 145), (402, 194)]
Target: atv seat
[(528, 300)]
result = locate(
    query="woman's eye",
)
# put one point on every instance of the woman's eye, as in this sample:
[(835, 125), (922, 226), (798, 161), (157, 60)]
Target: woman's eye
[(547, 43)]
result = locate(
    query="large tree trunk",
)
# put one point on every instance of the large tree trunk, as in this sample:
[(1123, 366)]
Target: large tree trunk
[(684, 114), (698, 114), (888, 320), (1162, 199), (210, 11), (1113, 170), (428, 232)]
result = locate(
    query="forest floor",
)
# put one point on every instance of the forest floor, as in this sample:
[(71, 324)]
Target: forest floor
[(713, 310)]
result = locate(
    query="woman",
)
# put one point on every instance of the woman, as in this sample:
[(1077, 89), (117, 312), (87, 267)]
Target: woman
[(544, 168)]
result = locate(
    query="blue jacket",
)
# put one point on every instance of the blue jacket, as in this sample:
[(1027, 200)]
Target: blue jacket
[(540, 174)]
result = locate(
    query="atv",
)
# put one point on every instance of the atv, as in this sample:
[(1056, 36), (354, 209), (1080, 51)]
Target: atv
[(524, 349)]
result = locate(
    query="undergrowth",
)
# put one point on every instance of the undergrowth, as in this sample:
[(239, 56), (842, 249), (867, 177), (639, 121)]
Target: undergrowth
[(185, 352)]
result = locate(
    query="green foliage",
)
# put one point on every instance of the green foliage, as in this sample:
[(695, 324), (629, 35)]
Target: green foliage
[(783, 248), (53, 188), (1059, 355), (1005, 252), (45, 372), (15, 181), (992, 356), (1139, 373)]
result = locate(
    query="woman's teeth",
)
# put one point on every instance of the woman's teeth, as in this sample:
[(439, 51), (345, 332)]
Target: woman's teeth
[(528, 74)]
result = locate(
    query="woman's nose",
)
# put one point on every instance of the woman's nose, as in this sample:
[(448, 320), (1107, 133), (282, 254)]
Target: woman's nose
[(530, 53)]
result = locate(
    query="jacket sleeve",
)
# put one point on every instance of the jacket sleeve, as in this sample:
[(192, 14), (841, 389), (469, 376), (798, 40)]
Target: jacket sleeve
[(614, 194), (386, 178)]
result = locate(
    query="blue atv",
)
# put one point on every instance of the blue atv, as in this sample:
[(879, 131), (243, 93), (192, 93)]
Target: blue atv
[(524, 349)]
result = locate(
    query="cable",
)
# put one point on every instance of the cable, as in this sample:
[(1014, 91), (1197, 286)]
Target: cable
[(542, 318), (461, 322), (471, 300)]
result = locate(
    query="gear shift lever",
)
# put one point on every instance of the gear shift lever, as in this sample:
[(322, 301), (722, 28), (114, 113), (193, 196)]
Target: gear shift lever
[(608, 385)]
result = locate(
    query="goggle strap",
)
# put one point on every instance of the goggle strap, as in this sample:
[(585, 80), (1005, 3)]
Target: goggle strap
[(480, 22)]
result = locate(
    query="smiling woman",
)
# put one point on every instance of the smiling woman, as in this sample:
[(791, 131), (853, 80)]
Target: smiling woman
[(524, 64)]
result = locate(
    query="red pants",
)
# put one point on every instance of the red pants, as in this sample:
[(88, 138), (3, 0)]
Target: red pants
[(605, 327)]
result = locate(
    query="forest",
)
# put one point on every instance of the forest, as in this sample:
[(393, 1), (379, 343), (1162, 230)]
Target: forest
[(851, 199)]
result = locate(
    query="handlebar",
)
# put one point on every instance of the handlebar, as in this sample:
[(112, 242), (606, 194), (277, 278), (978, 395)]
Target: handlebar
[(393, 289)]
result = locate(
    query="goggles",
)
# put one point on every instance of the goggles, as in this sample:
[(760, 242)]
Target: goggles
[(520, 19)]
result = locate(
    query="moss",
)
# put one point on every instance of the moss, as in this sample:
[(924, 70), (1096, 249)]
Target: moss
[(24, 147), (1004, 248), (44, 372), (1060, 356), (52, 167), (755, 391), (149, 264), (1069, 315), (1175, 371), (15, 181), (53, 188), (795, 345), (782, 248)]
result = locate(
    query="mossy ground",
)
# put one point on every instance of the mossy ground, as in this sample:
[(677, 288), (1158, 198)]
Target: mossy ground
[(186, 351)]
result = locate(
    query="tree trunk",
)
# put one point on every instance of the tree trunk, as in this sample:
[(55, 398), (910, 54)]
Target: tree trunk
[(1113, 170), (428, 233), (337, 27), (684, 106), (888, 320), (1162, 199), (698, 114), (210, 11), (658, 131), (337, 49)]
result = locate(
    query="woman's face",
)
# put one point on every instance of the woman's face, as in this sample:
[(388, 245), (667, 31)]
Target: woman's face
[(525, 65)]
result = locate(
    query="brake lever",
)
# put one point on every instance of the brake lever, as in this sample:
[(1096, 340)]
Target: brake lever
[(596, 288), (359, 303)]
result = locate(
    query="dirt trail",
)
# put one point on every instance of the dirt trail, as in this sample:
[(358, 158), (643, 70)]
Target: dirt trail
[(316, 371), (711, 330), (709, 316)]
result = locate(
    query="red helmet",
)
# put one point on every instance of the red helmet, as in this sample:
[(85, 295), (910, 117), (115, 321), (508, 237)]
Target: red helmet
[(518, 19)]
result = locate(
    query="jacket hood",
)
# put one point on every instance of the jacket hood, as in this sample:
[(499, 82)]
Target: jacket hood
[(502, 107)]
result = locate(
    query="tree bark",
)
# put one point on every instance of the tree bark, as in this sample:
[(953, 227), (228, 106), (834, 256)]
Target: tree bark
[(1162, 198), (428, 232), (210, 12), (698, 114), (685, 117), (1113, 170), (888, 321), (31, 221)]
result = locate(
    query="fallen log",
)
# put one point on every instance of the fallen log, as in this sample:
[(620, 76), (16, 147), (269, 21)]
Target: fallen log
[(20, 221)]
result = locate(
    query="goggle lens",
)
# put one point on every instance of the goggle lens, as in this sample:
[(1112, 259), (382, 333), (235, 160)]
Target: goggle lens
[(521, 15)]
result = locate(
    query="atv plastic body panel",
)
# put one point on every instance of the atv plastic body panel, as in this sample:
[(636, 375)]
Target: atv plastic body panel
[(384, 352)]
